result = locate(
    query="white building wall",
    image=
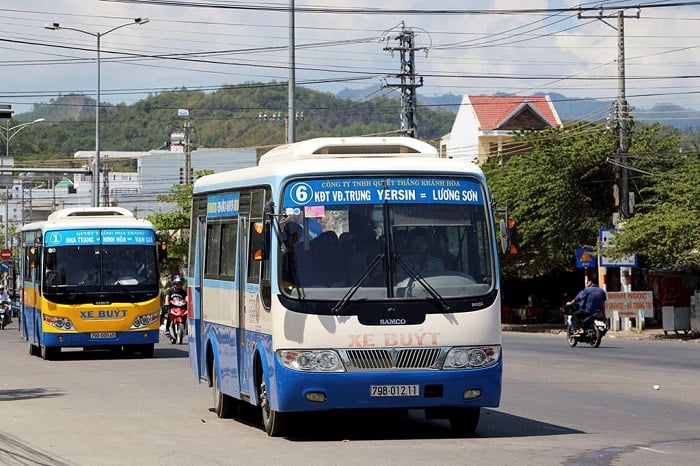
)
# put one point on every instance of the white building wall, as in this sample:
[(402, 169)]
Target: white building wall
[(156, 172), (463, 140)]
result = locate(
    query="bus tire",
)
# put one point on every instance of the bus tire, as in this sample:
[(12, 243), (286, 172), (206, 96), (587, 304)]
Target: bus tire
[(273, 421), (224, 405), (463, 421), (179, 332), (50, 352), (147, 350)]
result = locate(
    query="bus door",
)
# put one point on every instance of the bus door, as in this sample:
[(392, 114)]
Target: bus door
[(31, 313), (242, 278), (195, 298)]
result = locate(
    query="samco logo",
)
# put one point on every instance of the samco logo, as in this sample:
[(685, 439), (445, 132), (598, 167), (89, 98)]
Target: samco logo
[(103, 314)]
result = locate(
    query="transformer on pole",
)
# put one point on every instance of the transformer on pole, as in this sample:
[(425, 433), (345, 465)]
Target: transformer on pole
[(407, 77)]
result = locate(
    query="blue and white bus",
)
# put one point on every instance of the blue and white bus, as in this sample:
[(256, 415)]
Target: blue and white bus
[(347, 273)]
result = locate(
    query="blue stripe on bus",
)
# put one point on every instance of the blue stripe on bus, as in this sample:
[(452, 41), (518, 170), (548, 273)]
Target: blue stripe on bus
[(135, 337), (344, 390)]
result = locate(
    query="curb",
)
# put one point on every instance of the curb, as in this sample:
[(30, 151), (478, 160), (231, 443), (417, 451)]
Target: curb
[(648, 334)]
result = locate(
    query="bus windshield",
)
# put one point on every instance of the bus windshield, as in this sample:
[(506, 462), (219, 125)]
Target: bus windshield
[(386, 238)]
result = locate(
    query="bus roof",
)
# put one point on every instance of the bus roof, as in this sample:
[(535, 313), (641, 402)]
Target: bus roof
[(340, 156), (77, 217), (324, 148)]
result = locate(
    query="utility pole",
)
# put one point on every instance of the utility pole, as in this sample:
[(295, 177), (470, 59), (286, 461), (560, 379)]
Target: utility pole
[(623, 197), (188, 155), (622, 112), (407, 78), (291, 96), (105, 185)]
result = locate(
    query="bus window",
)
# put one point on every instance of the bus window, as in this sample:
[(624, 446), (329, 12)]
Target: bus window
[(444, 244)]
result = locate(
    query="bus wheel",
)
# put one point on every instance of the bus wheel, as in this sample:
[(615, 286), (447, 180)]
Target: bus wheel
[(50, 352), (273, 421), (224, 405), (146, 350), (463, 421)]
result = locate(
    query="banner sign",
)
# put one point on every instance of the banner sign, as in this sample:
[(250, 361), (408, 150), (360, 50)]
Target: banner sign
[(606, 236), (116, 236), (629, 303), (223, 205), (396, 190)]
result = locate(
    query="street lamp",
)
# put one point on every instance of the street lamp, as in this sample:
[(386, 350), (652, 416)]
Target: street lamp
[(98, 36), (9, 133)]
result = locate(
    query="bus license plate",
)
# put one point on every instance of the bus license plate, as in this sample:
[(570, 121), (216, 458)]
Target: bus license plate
[(394, 390), (103, 335)]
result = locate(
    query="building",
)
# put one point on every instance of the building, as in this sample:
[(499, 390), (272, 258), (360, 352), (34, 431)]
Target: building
[(140, 179), (485, 125)]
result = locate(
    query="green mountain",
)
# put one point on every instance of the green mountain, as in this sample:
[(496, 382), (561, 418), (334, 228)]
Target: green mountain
[(246, 115)]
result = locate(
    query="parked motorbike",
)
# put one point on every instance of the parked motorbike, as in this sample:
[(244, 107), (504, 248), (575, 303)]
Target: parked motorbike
[(594, 327), (5, 314), (178, 320)]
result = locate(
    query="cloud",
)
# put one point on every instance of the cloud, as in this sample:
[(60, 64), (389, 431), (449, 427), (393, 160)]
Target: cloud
[(467, 53)]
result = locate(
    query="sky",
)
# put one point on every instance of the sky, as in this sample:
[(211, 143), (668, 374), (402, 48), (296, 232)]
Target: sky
[(475, 47)]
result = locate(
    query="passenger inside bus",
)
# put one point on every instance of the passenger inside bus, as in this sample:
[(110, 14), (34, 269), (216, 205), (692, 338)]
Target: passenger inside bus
[(353, 261), (419, 260), (442, 252)]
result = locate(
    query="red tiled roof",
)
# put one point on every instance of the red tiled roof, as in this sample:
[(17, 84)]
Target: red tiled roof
[(491, 110)]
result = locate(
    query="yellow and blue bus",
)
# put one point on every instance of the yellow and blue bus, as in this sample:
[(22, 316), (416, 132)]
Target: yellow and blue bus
[(89, 278), (347, 273)]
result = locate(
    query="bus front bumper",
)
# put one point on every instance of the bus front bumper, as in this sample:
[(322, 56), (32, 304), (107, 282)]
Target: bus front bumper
[(303, 391), (100, 339)]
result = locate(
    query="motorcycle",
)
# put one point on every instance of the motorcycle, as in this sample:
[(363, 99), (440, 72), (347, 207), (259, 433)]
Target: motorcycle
[(5, 314), (594, 327), (178, 320)]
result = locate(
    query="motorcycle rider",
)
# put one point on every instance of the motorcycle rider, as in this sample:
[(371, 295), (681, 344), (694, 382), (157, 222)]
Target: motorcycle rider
[(174, 291), (591, 301), (5, 298)]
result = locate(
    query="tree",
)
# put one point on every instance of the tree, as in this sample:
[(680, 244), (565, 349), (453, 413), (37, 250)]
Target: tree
[(664, 230), (558, 192), (561, 190), (174, 226)]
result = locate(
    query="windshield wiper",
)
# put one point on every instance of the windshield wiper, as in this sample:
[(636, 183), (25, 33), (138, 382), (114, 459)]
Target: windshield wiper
[(356, 286), (417, 277)]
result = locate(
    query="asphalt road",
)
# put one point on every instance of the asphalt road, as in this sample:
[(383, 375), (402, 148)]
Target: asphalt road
[(625, 403)]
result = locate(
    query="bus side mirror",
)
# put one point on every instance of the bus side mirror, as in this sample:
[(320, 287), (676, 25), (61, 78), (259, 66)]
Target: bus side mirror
[(509, 236), (163, 253), (32, 257), (260, 241)]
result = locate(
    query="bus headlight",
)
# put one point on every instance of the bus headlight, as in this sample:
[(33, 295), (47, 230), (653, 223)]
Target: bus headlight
[(311, 360), (145, 320), (463, 357), (61, 323)]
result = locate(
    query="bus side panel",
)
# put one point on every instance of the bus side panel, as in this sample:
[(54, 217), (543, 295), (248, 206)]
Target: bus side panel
[(195, 331), (223, 342), (195, 289), (259, 345), (31, 316), (31, 323)]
